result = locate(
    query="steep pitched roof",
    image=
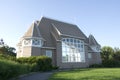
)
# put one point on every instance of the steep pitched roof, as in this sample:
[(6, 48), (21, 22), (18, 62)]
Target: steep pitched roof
[(89, 49), (46, 26), (92, 40), (33, 31), (66, 28)]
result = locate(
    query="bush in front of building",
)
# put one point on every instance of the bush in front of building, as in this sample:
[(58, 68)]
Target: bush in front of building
[(111, 63), (9, 69), (96, 66), (37, 63), (7, 57)]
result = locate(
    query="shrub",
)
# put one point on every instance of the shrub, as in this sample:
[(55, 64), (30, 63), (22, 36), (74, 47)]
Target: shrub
[(111, 63), (55, 67), (7, 57), (95, 66), (9, 69), (38, 63), (107, 63)]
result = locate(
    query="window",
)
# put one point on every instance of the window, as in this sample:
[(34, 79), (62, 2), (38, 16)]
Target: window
[(89, 55), (36, 42), (33, 42), (49, 53), (72, 50), (27, 42)]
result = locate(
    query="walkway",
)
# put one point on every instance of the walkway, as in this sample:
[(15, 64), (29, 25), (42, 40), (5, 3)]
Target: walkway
[(36, 76)]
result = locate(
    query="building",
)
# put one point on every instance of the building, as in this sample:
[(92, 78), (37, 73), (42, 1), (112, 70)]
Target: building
[(65, 43)]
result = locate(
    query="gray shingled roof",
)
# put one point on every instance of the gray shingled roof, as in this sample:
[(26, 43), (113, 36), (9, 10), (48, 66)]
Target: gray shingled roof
[(66, 28), (44, 27), (92, 40), (33, 31), (89, 49)]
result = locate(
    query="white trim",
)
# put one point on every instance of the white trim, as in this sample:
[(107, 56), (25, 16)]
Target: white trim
[(56, 29), (71, 36), (33, 28), (32, 38), (49, 47), (55, 37)]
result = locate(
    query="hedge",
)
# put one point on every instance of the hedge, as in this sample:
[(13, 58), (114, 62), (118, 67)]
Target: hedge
[(38, 63), (7, 57), (111, 63), (9, 69), (106, 64)]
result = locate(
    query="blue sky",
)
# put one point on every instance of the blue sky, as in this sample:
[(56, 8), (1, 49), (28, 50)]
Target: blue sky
[(98, 17)]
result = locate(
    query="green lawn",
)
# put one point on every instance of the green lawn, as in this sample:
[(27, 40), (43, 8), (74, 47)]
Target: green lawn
[(88, 74)]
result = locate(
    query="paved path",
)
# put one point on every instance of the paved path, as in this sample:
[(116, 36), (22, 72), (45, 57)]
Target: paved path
[(37, 76)]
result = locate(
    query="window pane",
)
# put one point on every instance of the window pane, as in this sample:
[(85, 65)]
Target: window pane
[(49, 53), (71, 40), (74, 40), (89, 55), (67, 39)]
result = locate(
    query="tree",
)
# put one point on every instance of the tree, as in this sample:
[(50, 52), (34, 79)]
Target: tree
[(107, 53), (7, 50), (1, 42), (116, 54)]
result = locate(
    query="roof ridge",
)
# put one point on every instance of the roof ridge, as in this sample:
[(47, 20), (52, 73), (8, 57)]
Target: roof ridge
[(58, 20), (29, 31), (32, 29), (38, 31), (93, 39)]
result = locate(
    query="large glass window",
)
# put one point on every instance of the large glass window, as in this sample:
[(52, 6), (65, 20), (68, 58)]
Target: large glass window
[(72, 50)]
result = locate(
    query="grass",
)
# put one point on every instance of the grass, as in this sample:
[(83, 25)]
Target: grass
[(88, 74)]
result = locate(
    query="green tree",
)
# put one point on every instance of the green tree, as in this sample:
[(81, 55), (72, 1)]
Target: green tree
[(107, 53), (7, 50), (116, 54)]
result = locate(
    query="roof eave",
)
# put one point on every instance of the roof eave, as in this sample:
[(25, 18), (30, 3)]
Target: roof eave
[(64, 35)]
